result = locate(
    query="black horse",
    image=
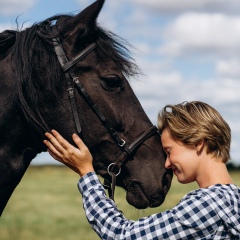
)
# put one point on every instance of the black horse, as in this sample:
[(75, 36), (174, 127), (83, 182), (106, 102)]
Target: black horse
[(40, 67)]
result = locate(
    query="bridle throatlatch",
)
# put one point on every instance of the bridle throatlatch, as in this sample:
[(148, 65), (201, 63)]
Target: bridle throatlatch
[(128, 150)]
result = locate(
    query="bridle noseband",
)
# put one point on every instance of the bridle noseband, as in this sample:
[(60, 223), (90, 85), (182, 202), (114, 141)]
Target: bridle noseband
[(128, 150)]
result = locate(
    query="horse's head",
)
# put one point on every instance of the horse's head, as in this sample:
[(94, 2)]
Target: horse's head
[(118, 117)]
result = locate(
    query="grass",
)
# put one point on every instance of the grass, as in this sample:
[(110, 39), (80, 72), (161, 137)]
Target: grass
[(47, 205)]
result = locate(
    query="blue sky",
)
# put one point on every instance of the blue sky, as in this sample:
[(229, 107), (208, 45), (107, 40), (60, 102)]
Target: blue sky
[(187, 50)]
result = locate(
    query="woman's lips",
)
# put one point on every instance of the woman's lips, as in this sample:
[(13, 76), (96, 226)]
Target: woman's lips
[(175, 171)]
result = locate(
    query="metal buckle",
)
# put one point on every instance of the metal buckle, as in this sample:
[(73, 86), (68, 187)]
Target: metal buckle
[(110, 173), (122, 144)]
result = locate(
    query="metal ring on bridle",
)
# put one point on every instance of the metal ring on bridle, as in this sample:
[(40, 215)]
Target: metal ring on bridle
[(109, 172), (122, 144)]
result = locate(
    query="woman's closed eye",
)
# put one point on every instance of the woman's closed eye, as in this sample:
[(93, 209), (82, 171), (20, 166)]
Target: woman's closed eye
[(168, 152)]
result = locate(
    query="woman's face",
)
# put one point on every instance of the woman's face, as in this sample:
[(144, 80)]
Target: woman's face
[(181, 158)]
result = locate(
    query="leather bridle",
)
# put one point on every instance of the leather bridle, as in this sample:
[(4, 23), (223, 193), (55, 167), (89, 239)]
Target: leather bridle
[(128, 150)]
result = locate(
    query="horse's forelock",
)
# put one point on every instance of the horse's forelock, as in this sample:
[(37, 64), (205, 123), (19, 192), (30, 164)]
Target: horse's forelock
[(117, 51)]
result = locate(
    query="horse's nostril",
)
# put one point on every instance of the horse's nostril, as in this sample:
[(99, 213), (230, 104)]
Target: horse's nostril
[(167, 177)]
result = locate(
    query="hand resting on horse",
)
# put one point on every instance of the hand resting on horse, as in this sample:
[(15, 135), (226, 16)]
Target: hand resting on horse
[(78, 159)]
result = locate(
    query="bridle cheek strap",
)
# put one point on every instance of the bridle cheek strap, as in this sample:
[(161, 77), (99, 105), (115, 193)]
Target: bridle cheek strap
[(69, 74), (62, 58)]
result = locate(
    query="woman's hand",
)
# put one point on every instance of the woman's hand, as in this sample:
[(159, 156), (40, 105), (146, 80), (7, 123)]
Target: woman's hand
[(78, 159)]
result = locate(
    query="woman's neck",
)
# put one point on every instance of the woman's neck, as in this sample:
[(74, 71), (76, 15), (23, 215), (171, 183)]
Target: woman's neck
[(213, 172)]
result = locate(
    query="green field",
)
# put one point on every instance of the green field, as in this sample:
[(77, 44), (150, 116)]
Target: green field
[(47, 205)]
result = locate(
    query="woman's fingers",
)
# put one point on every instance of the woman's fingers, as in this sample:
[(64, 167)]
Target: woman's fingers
[(59, 140), (80, 144), (53, 151), (53, 144), (55, 156), (60, 149), (63, 162)]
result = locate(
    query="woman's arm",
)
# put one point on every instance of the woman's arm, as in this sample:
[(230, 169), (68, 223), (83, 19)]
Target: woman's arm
[(109, 222)]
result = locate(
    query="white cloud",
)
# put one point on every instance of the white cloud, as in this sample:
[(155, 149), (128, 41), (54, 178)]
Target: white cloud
[(10, 7), (178, 6), (228, 67), (172, 87), (202, 33), (143, 47)]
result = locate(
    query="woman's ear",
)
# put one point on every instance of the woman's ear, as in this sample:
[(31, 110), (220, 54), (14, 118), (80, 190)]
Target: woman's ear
[(199, 147)]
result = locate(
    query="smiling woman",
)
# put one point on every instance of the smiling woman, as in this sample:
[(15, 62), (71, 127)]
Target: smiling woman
[(196, 140), (192, 128)]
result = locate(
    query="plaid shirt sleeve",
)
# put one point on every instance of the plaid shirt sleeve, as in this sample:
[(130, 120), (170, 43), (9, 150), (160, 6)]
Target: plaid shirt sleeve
[(193, 218)]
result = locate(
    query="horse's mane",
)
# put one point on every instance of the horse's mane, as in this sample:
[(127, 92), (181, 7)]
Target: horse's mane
[(7, 40), (30, 48)]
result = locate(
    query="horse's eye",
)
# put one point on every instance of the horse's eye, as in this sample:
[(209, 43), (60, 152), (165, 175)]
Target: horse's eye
[(112, 82)]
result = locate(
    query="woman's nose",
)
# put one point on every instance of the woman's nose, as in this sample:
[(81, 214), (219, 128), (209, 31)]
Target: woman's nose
[(167, 163)]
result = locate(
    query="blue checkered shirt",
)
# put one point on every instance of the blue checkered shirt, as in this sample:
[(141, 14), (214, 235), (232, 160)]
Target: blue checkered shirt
[(205, 213)]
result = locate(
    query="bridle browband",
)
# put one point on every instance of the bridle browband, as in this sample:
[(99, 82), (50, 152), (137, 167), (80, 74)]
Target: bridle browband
[(128, 150)]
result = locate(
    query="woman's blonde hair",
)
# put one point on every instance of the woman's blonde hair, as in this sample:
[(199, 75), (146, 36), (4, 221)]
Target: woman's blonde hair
[(194, 122)]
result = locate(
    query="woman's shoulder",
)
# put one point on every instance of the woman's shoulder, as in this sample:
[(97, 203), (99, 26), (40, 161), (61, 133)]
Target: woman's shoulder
[(219, 190), (216, 195), (212, 200), (217, 204)]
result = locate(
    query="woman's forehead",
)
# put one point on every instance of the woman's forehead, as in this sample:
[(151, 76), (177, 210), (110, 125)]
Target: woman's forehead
[(166, 136)]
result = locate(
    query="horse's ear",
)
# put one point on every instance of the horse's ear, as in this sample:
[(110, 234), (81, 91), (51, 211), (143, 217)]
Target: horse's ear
[(80, 24), (89, 15)]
